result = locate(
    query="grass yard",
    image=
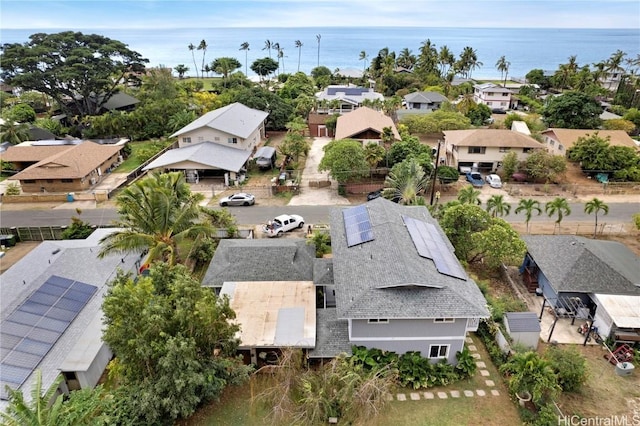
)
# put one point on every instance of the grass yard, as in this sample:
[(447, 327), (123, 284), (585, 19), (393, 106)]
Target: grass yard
[(133, 162)]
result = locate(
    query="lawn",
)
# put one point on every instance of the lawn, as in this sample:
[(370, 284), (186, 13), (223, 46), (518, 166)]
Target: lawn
[(133, 162)]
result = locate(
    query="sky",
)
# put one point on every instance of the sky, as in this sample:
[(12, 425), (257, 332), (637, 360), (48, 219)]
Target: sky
[(141, 14)]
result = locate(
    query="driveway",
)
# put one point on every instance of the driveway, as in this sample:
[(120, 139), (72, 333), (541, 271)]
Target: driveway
[(311, 196)]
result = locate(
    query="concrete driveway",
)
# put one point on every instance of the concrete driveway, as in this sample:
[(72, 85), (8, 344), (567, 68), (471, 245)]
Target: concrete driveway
[(317, 196)]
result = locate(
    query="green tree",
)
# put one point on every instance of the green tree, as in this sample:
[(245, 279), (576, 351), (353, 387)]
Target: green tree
[(78, 230), (263, 67), (541, 165), (595, 206), (225, 66), (569, 365), (245, 46), (14, 133), (175, 343), (22, 113), (497, 206), (192, 49), (498, 244), (460, 222), (262, 99), (294, 145), (181, 69), (202, 46), (509, 164), (156, 213), (322, 243), (180, 119), (406, 182), (469, 195), (345, 160), (528, 372), (528, 206), (503, 66), (560, 207), (77, 68), (374, 154), (408, 147), (573, 110)]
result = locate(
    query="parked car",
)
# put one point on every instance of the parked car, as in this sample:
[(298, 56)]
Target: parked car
[(494, 181), (378, 193), (281, 224), (519, 177), (475, 179), (498, 111), (266, 157), (239, 199)]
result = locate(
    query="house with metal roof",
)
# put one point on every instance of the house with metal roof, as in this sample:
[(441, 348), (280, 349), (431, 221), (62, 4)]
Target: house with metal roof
[(576, 276), (366, 125), (51, 317), (485, 148), (398, 284), (558, 141), (338, 99), (235, 125), (424, 101)]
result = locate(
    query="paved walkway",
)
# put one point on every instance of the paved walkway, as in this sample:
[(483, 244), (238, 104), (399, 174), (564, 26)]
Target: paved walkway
[(455, 393)]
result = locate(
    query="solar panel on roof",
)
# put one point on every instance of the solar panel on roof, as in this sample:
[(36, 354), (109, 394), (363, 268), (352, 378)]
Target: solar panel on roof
[(357, 225), (30, 332), (430, 244)]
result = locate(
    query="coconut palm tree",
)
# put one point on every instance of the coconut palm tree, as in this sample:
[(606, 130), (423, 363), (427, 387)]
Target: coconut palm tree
[(374, 154), (299, 47), (559, 206), (192, 48), (528, 206), (503, 66), (469, 195), (318, 38), (156, 213), (181, 69), (281, 56), (497, 206), (245, 46), (446, 60), (202, 46), (13, 132), (406, 182), (267, 46), (406, 59), (594, 206), (364, 58)]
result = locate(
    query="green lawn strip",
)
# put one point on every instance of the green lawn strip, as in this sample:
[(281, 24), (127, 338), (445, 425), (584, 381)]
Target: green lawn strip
[(133, 162)]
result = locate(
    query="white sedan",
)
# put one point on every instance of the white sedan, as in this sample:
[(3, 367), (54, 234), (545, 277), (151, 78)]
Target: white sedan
[(494, 181), (239, 199)]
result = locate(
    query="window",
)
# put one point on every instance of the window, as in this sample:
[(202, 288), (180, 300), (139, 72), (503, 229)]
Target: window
[(29, 181), (66, 180), (378, 321), (527, 150), (505, 149), (200, 139), (186, 140), (444, 320), (552, 143), (560, 147), (216, 138), (438, 351), (232, 140), (477, 149)]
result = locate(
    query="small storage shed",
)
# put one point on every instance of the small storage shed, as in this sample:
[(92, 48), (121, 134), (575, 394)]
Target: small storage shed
[(523, 327)]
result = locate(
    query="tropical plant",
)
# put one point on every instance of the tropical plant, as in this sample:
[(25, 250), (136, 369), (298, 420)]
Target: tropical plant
[(374, 154), (503, 66), (322, 243), (13, 132), (559, 206), (595, 206), (156, 213), (466, 366), (460, 222), (528, 372), (13, 188), (528, 206), (225, 66), (202, 46), (469, 195), (496, 245), (364, 58), (181, 69), (299, 45), (509, 164), (78, 230), (245, 46), (406, 182), (570, 367), (497, 206)]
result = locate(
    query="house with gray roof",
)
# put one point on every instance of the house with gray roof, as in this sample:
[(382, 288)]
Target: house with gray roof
[(347, 98), (424, 101), (398, 284), (51, 317)]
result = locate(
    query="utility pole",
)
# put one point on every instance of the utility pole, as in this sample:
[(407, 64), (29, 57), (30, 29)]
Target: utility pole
[(435, 174)]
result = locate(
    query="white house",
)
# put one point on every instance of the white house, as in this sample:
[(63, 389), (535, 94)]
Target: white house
[(493, 96)]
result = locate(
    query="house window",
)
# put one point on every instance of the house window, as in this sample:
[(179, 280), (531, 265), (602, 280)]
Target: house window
[(66, 180), (444, 320), (378, 321), (217, 138), (200, 139), (505, 149), (560, 147), (232, 140), (552, 143), (527, 150), (186, 140), (29, 181), (477, 149), (438, 351)]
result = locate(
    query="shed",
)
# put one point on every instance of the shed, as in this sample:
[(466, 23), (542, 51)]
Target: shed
[(618, 316), (523, 327)]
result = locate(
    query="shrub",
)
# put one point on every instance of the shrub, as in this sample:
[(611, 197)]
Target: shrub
[(636, 220), (466, 366), (570, 367), (78, 230), (13, 189)]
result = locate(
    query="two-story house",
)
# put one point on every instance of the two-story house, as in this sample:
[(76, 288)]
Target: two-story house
[(493, 96), (558, 141), (366, 125), (484, 149), (342, 99)]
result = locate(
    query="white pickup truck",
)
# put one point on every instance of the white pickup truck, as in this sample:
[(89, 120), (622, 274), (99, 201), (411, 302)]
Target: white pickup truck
[(281, 224)]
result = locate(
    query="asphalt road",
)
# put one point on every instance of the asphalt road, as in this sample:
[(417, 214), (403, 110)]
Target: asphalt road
[(618, 213)]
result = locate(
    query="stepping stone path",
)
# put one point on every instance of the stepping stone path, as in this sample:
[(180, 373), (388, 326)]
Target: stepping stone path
[(481, 365)]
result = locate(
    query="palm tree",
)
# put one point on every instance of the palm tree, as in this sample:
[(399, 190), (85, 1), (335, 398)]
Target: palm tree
[(528, 206), (192, 48), (446, 60), (405, 182), (37, 411), (406, 59), (594, 206), (181, 69), (531, 373), (503, 66), (299, 47), (469, 195), (225, 66), (156, 214), (267, 46), (280, 56), (374, 154), (14, 133), (202, 46), (497, 206), (245, 46), (614, 66), (559, 206), (363, 57), (318, 37)]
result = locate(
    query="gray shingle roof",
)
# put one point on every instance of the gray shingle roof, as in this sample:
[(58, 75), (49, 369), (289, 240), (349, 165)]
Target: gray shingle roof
[(425, 97), (204, 155), (522, 321), (235, 119), (323, 271), (391, 260), (582, 265), (332, 335), (260, 260)]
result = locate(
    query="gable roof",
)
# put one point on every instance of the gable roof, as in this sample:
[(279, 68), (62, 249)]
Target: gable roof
[(490, 138), (262, 259), (387, 278), (75, 162), (568, 137), (522, 322), (204, 155), (363, 119), (120, 100), (349, 94), (582, 265), (235, 119), (22, 153), (425, 97), (491, 87)]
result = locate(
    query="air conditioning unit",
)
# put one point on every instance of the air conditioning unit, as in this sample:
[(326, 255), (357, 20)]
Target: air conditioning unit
[(93, 181)]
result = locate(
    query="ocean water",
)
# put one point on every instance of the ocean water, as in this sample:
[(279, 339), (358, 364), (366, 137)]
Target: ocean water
[(339, 48)]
